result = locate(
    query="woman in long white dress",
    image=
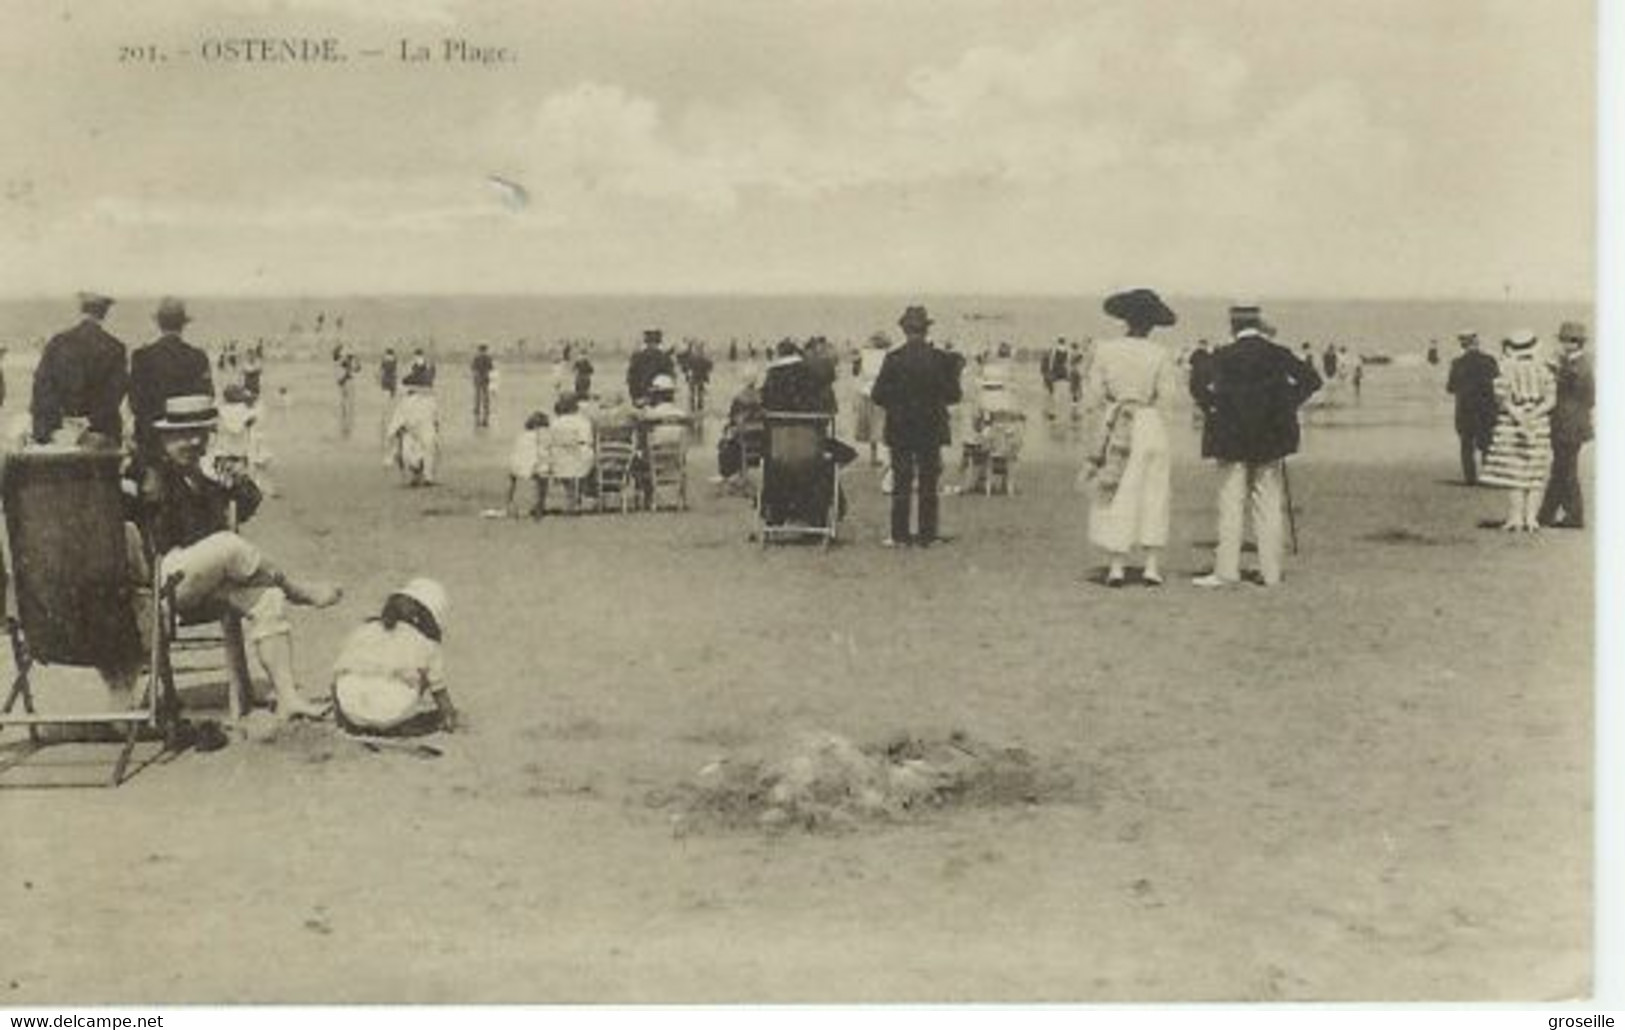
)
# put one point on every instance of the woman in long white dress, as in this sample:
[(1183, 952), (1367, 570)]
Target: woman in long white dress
[(1131, 384)]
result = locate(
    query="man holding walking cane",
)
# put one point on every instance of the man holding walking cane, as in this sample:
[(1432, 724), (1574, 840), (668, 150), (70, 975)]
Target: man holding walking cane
[(1252, 391)]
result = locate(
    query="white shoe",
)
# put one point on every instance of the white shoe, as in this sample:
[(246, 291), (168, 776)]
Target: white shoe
[(1212, 580)]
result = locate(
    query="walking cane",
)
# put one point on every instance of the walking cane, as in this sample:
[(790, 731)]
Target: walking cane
[(1291, 519)]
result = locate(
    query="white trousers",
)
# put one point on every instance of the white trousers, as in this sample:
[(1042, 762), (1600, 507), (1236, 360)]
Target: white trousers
[(1239, 484)]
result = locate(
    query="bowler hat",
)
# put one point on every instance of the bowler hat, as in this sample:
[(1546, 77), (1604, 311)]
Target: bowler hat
[(1140, 306), (187, 411), (171, 314), (90, 300), (914, 317), (652, 336), (1575, 331)]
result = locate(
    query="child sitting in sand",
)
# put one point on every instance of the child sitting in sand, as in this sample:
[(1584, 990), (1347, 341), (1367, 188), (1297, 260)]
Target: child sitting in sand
[(529, 460), (389, 680)]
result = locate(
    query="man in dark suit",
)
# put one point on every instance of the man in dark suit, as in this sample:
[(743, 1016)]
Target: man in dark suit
[(915, 386), (1571, 429), (167, 367), (1472, 381), (647, 363), (1254, 390), (81, 377)]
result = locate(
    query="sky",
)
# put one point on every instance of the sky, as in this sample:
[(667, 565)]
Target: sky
[(1311, 148)]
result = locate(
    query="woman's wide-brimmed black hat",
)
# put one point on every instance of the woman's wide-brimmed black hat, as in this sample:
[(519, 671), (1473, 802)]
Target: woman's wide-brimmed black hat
[(1140, 306)]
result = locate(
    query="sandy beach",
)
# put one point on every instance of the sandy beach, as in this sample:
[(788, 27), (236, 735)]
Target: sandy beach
[(1373, 783)]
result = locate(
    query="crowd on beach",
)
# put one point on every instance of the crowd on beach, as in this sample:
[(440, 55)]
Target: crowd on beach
[(196, 465)]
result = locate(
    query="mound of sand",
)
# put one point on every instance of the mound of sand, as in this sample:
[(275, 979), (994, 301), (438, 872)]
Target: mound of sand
[(822, 781)]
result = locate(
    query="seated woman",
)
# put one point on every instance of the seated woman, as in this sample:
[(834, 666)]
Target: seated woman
[(569, 448), (742, 435), (389, 679), (528, 460), (187, 519)]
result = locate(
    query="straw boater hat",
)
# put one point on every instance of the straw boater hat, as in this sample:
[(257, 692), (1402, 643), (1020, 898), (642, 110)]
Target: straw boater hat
[(1140, 306), (171, 314), (1247, 319), (189, 411), (662, 383), (432, 596), (1521, 339), (1572, 331), (914, 317)]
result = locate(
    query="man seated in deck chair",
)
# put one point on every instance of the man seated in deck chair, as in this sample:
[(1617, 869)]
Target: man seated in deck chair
[(186, 516), (794, 387)]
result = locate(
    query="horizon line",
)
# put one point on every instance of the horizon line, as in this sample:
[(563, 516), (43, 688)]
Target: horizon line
[(1287, 298)]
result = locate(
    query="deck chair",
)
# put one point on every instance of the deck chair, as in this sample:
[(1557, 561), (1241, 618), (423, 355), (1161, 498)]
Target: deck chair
[(614, 455), (800, 492), (78, 594)]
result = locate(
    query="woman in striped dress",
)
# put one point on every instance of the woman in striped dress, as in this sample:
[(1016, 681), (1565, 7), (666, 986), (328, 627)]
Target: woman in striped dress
[(1520, 456)]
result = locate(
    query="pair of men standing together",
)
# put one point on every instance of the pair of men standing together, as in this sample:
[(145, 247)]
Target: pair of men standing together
[(83, 377)]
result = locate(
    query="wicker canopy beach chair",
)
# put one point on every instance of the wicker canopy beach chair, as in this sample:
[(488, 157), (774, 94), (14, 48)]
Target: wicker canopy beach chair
[(800, 493)]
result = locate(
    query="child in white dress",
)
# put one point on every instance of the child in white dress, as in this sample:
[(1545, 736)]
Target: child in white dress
[(389, 679)]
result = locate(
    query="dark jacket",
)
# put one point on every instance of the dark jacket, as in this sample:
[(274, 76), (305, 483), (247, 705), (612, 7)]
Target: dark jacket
[(642, 369), (167, 367), (1201, 378), (794, 385), (1472, 380), (1576, 395), (82, 373), (1255, 388), (178, 509), (916, 385)]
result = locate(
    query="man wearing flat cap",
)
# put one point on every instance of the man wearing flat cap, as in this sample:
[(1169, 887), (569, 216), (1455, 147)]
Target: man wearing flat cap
[(81, 381), (647, 363), (1563, 505), (915, 386), (1254, 390), (167, 367), (1472, 382)]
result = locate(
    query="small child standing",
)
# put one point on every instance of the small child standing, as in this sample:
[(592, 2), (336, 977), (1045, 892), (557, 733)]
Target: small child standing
[(529, 460), (389, 679)]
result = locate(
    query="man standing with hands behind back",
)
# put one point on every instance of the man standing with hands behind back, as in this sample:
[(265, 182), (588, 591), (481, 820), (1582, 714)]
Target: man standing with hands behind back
[(915, 386), (1472, 381)]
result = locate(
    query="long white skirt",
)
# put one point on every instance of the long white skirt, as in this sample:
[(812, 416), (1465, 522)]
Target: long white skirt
[(1137, 512)]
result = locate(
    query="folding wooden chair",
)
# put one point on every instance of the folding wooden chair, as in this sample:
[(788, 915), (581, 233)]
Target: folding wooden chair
[(83, 599), (800, 493), (614, 455)]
